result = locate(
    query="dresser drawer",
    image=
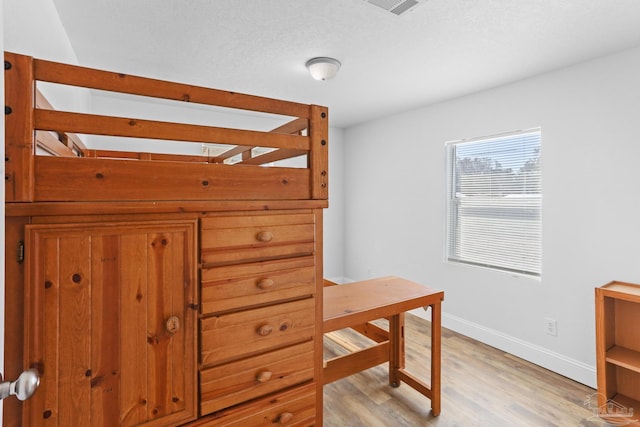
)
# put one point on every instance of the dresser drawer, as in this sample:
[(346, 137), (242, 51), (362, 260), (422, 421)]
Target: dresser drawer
[(236, 382), (293, 408), (243, 285), (229, 336), (228, 239)]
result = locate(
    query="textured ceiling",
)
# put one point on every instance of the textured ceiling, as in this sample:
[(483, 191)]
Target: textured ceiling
[(440, 50)]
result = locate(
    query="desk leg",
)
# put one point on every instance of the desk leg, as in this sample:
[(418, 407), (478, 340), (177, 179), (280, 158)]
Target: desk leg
[(435, 357), (396, 348)]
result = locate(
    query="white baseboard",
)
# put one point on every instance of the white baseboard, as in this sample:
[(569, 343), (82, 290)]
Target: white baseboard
[(556, 362)]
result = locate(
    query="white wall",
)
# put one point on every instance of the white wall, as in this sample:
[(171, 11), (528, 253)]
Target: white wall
[(333, 254), (395, 206), (33, 27)]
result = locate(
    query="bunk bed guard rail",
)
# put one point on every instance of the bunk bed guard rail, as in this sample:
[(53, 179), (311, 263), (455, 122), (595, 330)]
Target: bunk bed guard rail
[(46, 159)]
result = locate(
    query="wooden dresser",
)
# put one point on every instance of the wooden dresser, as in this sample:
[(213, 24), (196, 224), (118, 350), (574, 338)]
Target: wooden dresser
[(208, 319), (258, 316)]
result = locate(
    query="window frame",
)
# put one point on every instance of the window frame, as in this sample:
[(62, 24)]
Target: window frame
[(453, 201)]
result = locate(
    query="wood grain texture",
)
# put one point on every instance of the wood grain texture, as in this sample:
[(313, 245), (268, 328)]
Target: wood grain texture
[(63, 210), (358, 302), (236, 238), (618, 344), (319, 157), (296, 405), (106, 325), (48, 142), (481, 386), (106, 179), (319, 295), (237, 382), (273, 156), (117, 82), (258, 328), (627, 313), (229, 336), (343, 366), (388, 298), (19, 136), (245, 285), (62, 121), (99, 297), (14, 279)]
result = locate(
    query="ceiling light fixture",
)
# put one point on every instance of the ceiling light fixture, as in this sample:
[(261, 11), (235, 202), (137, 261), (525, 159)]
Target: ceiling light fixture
[(323, 68)]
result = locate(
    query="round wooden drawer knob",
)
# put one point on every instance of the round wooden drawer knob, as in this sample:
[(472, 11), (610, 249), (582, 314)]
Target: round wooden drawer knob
[(173, 324), (264, 236), (285, 417), (265, 284), (264, 376), (265, 330)]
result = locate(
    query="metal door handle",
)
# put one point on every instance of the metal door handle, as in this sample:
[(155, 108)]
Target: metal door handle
[(23, 388)]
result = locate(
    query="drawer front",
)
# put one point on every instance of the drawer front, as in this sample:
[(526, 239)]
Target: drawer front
[(293, 408), (244, 333), (236, 382), (246, 238), (244, 285)]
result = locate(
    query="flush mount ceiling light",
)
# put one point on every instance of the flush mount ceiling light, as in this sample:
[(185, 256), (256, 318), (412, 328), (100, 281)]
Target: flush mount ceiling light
[(323, 68)]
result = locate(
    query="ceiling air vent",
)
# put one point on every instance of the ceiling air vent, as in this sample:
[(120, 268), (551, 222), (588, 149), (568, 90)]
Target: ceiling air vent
[(397, 7)]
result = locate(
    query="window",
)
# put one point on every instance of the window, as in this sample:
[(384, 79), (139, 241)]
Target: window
[(494, 201)]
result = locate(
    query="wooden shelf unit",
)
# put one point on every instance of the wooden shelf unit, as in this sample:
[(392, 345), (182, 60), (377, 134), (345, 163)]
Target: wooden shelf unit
[(618, 344)]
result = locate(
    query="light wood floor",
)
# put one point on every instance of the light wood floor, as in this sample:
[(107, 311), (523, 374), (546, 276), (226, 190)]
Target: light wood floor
[(481, 386)]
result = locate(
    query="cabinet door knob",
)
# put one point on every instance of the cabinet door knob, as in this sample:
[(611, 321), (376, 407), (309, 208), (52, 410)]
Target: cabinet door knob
[(264, 376), (23, 388), (265, 330), (285, 417), (265, 284), (173, 324), (264, 236)]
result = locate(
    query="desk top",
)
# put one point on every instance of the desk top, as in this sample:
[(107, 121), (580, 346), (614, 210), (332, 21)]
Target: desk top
[(359, 302)]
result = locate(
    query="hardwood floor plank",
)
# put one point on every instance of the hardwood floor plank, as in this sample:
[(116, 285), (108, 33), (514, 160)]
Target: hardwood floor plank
[(481, 386)]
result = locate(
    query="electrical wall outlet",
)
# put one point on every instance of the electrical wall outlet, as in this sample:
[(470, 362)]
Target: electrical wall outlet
[(551, 326)]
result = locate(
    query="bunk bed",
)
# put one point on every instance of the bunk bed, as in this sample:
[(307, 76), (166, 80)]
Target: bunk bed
[(161, 288)]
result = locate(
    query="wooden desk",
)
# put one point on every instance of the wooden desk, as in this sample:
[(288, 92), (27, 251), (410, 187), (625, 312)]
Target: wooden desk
[(354, 305)]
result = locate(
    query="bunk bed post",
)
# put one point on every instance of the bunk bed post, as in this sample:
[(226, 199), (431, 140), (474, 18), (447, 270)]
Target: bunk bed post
[(19, 132), (319, 157)]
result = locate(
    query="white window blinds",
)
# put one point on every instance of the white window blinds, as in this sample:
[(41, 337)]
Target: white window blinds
[(494, 202)]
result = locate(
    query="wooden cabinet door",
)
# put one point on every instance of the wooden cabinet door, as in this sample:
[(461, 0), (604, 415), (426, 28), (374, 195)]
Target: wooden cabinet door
[(110, 322)]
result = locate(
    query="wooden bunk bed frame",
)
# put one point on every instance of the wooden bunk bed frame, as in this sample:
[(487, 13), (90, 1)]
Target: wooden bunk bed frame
[(31, 178), (215, 268)]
